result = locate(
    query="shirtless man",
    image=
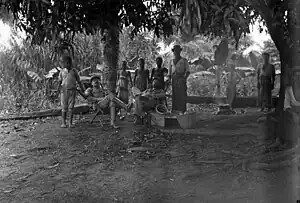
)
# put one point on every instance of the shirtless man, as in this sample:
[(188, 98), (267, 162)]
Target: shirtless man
[(159, 73), (96, 95)]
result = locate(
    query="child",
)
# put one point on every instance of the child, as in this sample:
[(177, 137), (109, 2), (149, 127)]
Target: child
[(96, 95), (233, 80), (141, 77), (68, 78), (124, 77)]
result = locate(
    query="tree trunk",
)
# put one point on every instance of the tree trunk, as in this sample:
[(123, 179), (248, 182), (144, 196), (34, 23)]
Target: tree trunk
[(111, 55), (284, 36)]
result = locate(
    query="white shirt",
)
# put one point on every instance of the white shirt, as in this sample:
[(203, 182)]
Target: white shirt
[(182, 66)]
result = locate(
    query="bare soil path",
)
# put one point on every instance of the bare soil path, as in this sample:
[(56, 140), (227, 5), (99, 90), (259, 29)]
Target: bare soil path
[(40, 162)]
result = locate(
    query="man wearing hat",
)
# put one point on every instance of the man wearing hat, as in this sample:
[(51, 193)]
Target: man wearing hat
[(178, 73), (96, 95), (265, 82)]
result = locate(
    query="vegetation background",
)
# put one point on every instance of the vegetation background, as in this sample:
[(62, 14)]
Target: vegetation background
[(25, 69)]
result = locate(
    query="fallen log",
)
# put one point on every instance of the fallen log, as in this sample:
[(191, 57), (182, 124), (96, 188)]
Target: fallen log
[(79, 109)]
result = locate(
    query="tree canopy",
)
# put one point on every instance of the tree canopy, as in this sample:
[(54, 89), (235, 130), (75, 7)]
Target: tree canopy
[(48, 20)]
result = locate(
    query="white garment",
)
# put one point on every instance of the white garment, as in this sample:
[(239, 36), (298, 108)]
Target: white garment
[(289, 99), (182, 66)]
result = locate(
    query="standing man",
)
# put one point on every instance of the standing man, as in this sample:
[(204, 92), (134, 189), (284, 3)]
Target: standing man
[(179, 71), (265, 82), (159, 73)]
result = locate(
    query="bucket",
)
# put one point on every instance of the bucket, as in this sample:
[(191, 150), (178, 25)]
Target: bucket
[(161, 109), (187, 121), (157, 119)]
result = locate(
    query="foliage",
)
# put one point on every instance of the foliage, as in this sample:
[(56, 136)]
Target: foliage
[(24, 66), (143, 45), (52, 20), (206, 86), (270, 47)]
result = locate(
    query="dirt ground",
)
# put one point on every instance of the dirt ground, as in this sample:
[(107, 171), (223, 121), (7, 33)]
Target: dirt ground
[(40, 162)]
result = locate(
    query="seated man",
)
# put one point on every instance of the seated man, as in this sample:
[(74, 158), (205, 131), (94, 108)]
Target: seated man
[(148, 100), (96, 96)]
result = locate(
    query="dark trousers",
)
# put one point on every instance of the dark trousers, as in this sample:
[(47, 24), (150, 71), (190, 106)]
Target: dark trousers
[(266, 92)]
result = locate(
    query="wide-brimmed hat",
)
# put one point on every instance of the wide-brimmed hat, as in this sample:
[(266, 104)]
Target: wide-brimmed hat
[(94, 77), (177, 46)]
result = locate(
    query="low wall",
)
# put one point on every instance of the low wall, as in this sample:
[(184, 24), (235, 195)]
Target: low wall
[(240, 102)]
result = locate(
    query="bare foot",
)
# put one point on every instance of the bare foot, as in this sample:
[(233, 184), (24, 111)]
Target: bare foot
[(71, 125), (63, 125)]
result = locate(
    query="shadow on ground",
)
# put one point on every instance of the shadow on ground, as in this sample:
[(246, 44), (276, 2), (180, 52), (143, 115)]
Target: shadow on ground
[(40, 162)]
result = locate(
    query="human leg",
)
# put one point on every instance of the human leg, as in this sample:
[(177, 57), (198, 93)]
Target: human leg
[(64, 107), (124, 97), (179, 95), (262, 95), (113, 116), (269, 95), (107, 102), (72, 96)]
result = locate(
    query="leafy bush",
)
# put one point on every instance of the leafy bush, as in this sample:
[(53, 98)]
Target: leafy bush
[(24, 66)]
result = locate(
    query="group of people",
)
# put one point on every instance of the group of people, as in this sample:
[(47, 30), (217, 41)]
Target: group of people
[(148, 84)]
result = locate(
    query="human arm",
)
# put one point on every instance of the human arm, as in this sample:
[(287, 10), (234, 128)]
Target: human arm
[(130, 79), (60, 79), (148, 76), (273, 76), (135, 75), (238, 77), (170, 71), (187, 68), (82, 89), (118, 75), (258, 76), (152, 74)]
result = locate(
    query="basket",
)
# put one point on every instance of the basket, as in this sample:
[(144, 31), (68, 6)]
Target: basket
[(187, 121)]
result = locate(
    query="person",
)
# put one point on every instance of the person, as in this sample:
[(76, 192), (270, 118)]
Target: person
[(97, 96), (124, 77), (68, 79), (158, 73), (265, 82), (178, 73), (147, 100), (233, 79), (141, 77)]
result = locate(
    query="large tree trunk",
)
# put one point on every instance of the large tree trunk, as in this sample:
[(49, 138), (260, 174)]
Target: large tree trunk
[(111, 55), (285, 38)]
